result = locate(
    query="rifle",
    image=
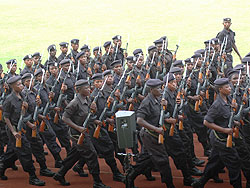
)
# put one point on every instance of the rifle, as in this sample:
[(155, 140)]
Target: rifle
[(20, 121), (159, 60), (108, 104), (148, 74), (180, 94), (60, 98), (131, 106), (98, 128), (175, 52), (116, 51), (2, 98), (163, 109), (128, 79), (206, 82), (47, 107), (233, 110), (176, 109), (199, 102), (222, 55), (35, 115)]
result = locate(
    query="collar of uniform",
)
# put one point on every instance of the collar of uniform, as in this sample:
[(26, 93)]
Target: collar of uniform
[(170, 93), (82, 100), (153, 99), (81, 67), (15, 96), (227, 31), (222, 101)]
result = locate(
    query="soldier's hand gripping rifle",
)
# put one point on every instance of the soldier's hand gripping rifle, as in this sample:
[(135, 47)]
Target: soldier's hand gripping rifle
[(47, 106), (98, 128), (180, 94), (148, 74), (128, 79), (233, 111), (61, 95), (131, 105), (163, 109), (108, 104), (199, 102), (37, 111), (20, 121), (177, 108)]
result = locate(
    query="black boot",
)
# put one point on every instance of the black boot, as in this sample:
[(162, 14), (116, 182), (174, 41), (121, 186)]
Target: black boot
[(170, 185), (33, 180), (188, 181), (46, 172), (196, 172), (2, 171), (207, 152), (118, 177), (100, 185), (61, 179), (131, 176), (58, 160), (149, 176), (217, 179), (80, 171), (200, 183), (198, 162)]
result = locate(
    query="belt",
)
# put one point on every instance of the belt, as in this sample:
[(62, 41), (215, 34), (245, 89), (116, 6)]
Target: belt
[(152, 133)]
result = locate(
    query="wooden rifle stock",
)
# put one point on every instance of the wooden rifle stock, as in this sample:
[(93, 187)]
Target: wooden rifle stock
[(81, 138), (229, 141), (160, 139), (19, 140), (97, 132), (111, 126), (1, 115), (171, 132)]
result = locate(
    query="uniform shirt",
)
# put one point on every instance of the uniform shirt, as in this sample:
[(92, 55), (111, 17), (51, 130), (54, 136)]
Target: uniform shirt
[(51, 81), (26, 70), (219, 113), (70, 82), (150, 110), (82, 72), (230, 39), (171, 98), (44, 95), (62, 56), (77, 110), (51, 59), (12, 108), (107, 60), (31, 100), (119, 55)]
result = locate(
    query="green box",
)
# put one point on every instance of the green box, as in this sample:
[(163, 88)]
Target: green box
[(126, 129)]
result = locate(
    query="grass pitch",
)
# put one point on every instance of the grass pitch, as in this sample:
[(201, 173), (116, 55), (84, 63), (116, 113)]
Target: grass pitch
[(28, 26)]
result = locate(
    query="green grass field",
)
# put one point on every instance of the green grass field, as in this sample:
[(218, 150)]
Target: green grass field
[(28, 26)]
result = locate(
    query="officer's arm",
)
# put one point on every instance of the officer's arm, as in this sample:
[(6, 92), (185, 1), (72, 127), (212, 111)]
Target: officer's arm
[(217, 128), (236, 50), (7, 121), (147, 125), (70, 123)]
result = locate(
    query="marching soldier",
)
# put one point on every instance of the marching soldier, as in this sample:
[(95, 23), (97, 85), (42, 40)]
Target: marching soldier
[(12, 112), (107, 58), (74, 51), (118, 51), (74, 115), (28, 65), (217, 119), (52, 56), (64, 50), (228, 35)]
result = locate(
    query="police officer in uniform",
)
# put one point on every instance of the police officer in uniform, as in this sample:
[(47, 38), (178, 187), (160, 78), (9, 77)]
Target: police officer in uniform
[(64, 49), (12, 111), (75, 115), (217, 119)]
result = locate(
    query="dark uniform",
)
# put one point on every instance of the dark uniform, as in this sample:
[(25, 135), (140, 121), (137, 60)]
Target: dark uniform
[(219, 113), (77, 110), (154, 153), (12, 111)]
